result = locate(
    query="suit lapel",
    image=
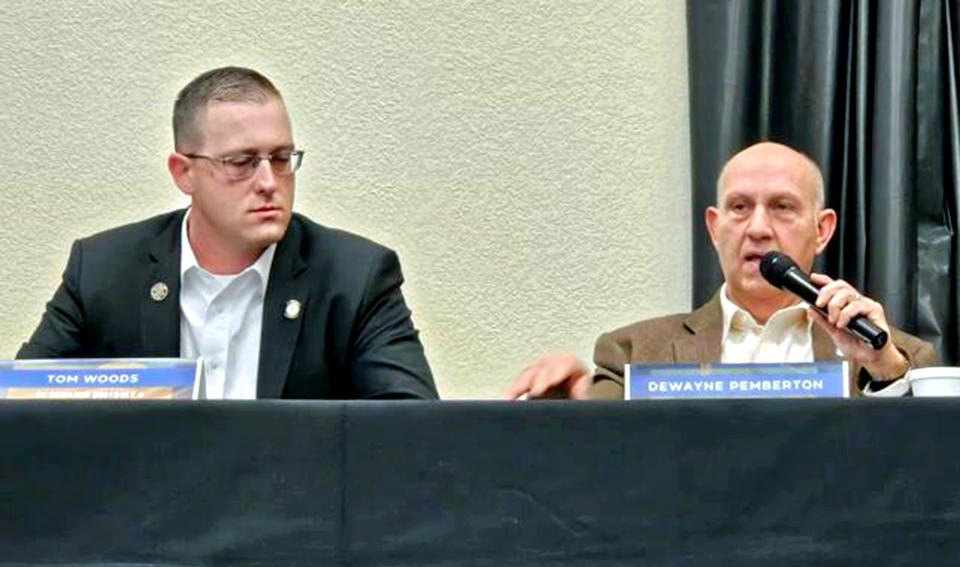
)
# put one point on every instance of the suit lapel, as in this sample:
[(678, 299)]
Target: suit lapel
[(160, 288), (823, 347), (702, 344), (825, 350), (279, 333)]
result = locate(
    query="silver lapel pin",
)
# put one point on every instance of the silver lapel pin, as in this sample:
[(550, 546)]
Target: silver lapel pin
[(292, 309), (159, 291)]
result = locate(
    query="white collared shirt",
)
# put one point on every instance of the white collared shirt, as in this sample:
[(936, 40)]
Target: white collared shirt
[(786, 337), (221, 318)]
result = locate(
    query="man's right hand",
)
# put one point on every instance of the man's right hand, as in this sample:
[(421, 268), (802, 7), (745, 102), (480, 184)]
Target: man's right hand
[(552, 373)]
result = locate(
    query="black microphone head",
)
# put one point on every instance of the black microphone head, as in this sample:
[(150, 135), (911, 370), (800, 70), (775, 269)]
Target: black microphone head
[(774, 267)]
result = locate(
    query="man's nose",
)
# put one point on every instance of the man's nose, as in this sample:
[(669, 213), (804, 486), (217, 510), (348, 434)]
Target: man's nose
[(264, 176), (758, 226)]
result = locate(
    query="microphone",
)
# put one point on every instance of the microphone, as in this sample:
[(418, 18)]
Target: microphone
[(783, 273)]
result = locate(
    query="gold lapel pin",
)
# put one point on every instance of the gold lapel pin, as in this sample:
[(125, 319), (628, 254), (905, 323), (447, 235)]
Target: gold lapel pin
[(292, 310), (159, 291)]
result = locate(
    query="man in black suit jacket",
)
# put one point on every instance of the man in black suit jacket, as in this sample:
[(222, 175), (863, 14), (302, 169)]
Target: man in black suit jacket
[(334, 323)]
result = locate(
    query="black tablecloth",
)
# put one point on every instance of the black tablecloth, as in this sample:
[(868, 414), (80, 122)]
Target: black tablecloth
[(769, 482)]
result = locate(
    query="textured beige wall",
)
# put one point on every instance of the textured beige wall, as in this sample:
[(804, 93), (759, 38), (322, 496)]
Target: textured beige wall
[(528, 159)]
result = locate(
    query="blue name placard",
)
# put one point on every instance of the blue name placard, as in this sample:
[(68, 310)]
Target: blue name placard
[(793, 380), (99, 379)]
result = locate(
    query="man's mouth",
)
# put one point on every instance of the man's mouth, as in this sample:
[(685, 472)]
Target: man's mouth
[(753, 257)]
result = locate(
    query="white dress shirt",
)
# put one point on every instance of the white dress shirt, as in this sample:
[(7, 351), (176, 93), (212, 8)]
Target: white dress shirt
[(786, 337), (221, 320)]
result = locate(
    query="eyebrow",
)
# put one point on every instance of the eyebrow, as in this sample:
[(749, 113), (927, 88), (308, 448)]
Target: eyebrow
[(256, 151), (771, 196), (732, 195), (780, 194)]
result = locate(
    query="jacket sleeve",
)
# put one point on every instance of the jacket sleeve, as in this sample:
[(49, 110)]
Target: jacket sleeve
[(610, 357), (387, 357), (918, 352), (60, 333)]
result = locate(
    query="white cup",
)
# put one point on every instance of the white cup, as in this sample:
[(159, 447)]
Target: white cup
[(935, 381)]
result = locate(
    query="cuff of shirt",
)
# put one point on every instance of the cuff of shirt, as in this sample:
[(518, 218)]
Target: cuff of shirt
[(892, 389)]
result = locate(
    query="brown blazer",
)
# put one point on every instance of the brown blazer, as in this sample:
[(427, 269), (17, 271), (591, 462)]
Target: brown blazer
[(695, 337)]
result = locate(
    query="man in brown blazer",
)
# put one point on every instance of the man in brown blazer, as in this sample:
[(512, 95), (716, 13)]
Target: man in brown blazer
[(769, 197)]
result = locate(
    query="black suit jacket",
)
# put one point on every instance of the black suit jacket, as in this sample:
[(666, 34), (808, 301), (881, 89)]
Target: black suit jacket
[(353, 339)]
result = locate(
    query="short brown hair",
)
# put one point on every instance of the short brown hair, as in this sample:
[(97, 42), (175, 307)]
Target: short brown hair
[(226, 84)]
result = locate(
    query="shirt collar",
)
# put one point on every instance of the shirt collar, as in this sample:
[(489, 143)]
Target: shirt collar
[(188, 260), (738, 318)]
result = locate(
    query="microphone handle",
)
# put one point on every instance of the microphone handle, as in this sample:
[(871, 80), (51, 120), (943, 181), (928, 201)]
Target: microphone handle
[(860, 327)]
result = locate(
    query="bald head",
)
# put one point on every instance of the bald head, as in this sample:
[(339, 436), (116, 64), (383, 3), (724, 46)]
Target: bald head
[(771, 157), (769, 198)]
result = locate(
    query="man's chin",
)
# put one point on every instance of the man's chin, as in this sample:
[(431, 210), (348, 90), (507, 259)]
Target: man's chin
[(759, 288), (268, 233)]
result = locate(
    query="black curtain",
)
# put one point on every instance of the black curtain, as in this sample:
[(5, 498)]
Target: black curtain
[(868, 89)]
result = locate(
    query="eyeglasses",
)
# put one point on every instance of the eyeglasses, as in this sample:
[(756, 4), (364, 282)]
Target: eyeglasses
[(244, 166)]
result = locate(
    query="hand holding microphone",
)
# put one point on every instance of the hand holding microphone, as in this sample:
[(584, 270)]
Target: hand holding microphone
[(783, 273), (856, 324)]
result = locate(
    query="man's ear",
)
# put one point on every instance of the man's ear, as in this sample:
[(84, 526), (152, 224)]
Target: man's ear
[(181, 169), (826, 225), (710, 217)]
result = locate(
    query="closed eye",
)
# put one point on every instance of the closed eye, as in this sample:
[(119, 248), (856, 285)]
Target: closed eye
[(784, 206), (238, 161)]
